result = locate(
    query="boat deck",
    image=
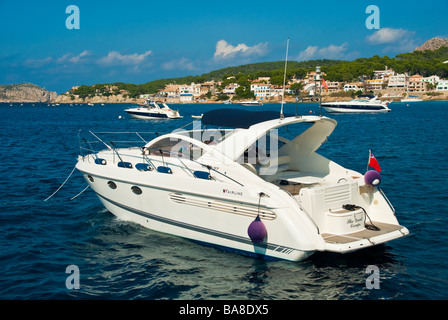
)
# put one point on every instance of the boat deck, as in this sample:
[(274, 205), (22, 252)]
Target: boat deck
[(361, 235)]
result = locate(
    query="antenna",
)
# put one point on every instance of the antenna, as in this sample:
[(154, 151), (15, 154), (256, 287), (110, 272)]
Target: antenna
[(284, 80)]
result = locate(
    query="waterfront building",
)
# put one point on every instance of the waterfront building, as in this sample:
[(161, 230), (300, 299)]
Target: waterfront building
[(230, 89), (186, 97), (352, 86), (383, 74), (431, 80), (416, 84), (442, 85), (374, 85), (261, 90), (193, 88), (398, 84), (207, 87)]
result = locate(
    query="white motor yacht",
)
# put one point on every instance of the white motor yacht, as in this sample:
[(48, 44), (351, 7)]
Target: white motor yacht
[(251, 103), (151, 110), (412, 100), (258, 187), (363, 103)]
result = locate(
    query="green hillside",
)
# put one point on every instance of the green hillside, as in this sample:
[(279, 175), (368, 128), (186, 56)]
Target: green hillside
[(425, 63)]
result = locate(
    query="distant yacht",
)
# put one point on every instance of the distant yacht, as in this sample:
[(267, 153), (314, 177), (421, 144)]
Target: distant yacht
[(363, 103), (412, 99), (151, 110), (251, 103)]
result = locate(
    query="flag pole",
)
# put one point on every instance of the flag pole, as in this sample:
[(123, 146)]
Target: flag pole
[(368, 162)]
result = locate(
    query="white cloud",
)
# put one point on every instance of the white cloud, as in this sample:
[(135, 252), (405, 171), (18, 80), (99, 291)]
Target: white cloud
[(333, 51), (63, 58), (75, 59), (330, 52), (388, 35), (38, 63), (307, 53), (397, 39), (115, 57), (225, 50), (179, 64)]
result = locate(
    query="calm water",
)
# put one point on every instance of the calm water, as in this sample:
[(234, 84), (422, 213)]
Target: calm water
[(120, 260)]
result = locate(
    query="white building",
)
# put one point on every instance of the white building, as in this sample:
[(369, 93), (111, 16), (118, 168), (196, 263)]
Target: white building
[(374, 85), (383, 74), (186, 97), (432, 80), (442, 85), (261, 90), (352, 86), (398, 81), (230, 89), (193, 88)]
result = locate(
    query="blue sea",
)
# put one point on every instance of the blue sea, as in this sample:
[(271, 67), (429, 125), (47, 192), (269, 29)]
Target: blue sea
[(121, 260)]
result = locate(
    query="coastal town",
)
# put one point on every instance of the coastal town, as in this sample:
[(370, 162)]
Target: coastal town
[(421, 74), (386, 84)]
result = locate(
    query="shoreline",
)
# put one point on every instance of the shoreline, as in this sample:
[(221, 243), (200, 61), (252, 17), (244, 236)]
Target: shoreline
[(174, 101)]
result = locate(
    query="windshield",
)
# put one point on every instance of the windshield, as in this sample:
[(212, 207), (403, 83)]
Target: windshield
[(271, 143)]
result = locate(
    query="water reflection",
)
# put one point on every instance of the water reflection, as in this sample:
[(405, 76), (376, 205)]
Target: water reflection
[(125, 261)]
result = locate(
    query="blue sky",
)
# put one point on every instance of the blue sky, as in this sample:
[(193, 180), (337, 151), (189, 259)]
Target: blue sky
[(139, 41)]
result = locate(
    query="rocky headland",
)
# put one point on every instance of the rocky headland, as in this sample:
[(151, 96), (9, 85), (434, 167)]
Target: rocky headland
[(25, 92)]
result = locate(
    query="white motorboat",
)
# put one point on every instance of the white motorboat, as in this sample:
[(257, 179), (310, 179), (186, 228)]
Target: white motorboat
[(151, 110), (412, 100), (363, 103), (258, 187), (251, 103)]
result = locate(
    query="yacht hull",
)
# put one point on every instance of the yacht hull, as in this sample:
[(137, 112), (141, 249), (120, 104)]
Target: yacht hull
[(214, 225), (149, 115), (354, 108)]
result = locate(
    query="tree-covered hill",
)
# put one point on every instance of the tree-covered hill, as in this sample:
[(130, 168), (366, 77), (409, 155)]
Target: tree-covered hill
[(425, 63)]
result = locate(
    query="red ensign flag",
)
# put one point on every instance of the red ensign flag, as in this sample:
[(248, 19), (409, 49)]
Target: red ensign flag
[(373, 163)]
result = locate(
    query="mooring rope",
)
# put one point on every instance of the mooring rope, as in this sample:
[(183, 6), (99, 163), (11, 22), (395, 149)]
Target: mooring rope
[(80, 193), (61, 184)]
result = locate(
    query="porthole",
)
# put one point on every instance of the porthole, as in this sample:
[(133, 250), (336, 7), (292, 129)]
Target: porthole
[(90, 178), (136, 190), (112, 185)]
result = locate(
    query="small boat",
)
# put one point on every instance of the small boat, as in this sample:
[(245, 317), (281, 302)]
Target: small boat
[(251, 103), (412, 100), (151, 110), (197, 117), (363, 103), (258, 187)]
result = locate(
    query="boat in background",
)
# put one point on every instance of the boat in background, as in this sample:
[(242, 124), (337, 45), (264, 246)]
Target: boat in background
[(362, 104), (412, 99), (151, 110), (251, 103)]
